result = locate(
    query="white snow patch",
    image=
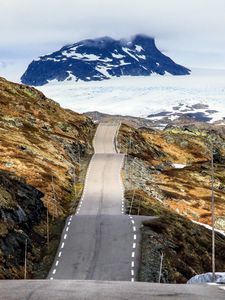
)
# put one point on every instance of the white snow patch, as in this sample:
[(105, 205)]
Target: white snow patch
[(123, 63), (168, 74), (209, 227), (107, 59), (141, 56), (91, 57), (139, 48), (68, 54), (144, 68), (173, 117), (103, 70), (178, 166), (117, 55), (71, 77), (74, 48), (128, 51), (76, 55), (53, 59), (156, 118)]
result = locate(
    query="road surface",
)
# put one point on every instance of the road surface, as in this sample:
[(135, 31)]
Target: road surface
[(103, 290), (100, 242)]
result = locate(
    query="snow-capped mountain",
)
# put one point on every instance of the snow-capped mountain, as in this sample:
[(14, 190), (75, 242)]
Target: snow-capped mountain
[(100, 59)]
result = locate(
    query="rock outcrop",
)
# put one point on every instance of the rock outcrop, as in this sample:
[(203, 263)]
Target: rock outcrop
[(21, 216)]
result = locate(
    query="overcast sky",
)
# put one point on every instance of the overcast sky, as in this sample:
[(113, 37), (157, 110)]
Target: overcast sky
[(192, 32)]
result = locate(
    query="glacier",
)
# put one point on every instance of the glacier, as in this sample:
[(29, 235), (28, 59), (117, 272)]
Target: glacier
[(143, 96)]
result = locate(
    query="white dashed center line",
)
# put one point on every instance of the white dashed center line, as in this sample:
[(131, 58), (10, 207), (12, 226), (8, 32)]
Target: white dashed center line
[(133, 248), (62, 246)]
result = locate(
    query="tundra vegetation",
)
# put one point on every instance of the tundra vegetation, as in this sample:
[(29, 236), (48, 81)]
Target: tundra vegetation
[(168, 174)]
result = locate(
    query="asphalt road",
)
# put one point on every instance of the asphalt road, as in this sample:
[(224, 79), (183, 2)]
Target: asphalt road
[(99, 242), (103, 290), (105, 138)]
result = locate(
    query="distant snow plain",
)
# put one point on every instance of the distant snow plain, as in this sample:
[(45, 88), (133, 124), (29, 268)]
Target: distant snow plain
[(142, 96)]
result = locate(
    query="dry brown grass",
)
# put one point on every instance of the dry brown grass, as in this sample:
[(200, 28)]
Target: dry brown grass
[(33, 143)]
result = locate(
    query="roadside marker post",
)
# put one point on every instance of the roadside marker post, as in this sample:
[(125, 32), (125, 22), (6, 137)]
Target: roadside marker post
[(213, 217), (160, 268), (47, 229), (25, 260)]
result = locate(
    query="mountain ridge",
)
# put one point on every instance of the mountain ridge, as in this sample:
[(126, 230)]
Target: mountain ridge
[(101, 59)]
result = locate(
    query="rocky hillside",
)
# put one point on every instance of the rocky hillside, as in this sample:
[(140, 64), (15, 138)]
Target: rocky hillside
[(41, 146), (168, 174), (186, 246), (178, 160), (100, 59)]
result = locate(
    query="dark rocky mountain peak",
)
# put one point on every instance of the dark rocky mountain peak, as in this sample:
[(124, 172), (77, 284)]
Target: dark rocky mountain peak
[(100, 59)]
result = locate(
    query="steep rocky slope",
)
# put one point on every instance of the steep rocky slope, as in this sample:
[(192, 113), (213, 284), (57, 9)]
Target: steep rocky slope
[(21, 222), (42, 146), (168, 174)]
